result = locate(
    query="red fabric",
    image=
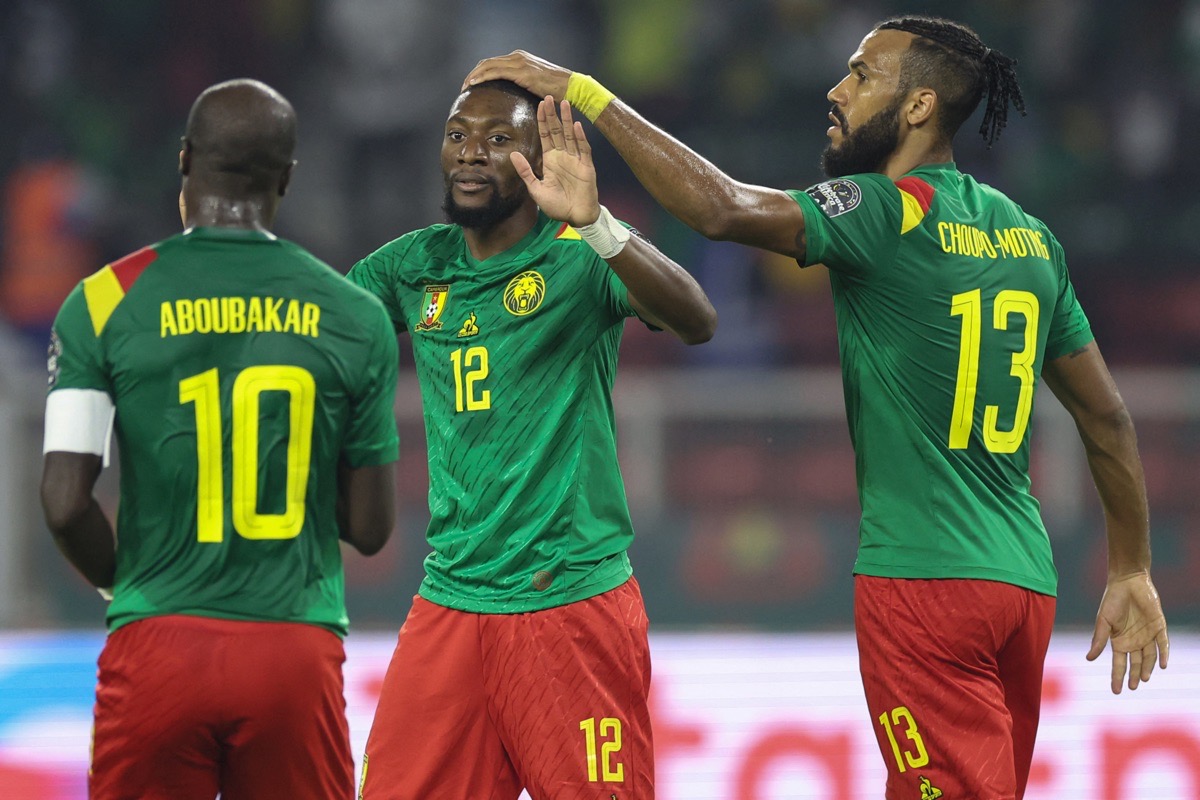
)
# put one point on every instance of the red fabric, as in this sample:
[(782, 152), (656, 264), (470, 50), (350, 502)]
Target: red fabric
[(964, 658), (189, 706), (481, 705), (129, 268), (922, 191)]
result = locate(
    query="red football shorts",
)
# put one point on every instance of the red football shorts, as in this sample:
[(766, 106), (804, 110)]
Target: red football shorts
[(480, 705), (953, 676), (189, 706)]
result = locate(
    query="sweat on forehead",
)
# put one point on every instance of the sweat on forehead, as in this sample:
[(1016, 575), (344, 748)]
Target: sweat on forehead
[(519, 96)]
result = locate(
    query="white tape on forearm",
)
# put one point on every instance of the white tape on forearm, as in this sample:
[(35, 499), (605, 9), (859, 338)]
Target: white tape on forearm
[(606, 236)]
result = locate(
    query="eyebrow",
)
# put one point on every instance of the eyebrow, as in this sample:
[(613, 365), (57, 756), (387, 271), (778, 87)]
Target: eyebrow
[(857, 64)]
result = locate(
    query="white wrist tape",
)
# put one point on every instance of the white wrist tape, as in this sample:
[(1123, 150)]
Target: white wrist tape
[(606, 236)]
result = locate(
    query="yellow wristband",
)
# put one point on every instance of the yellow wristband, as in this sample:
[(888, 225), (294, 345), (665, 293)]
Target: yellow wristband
[(588, 95)]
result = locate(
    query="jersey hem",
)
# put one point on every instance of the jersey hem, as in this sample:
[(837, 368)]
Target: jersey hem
[(957, 573), (116, 623), (475, 605)]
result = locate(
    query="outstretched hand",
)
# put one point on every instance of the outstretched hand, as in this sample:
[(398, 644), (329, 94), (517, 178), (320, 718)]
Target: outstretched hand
[(1131, 616), (567, 189)]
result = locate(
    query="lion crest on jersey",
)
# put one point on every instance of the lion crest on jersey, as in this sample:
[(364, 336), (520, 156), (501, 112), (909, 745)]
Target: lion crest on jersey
[(433, 306), (524, 293)]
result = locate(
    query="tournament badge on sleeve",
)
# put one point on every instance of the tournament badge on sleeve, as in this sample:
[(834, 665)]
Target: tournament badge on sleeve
[(432, 307)]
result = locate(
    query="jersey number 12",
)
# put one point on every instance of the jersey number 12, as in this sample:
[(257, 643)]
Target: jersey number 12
[(204, 390)]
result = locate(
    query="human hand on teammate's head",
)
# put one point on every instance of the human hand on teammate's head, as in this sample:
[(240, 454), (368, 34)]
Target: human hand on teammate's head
[(524, 69), (1131, 617)]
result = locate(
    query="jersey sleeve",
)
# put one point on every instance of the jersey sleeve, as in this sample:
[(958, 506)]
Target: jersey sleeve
[(377, 274), (613, 292), (1069, 326), (76, 357), (371, 437), (855, 224)]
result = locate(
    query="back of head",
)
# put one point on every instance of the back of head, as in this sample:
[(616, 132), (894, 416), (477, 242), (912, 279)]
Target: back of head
[(240, 136), (950, 58)]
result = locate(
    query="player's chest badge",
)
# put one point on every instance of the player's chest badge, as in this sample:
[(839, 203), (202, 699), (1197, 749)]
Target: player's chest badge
[(525, 293), (433, 306)]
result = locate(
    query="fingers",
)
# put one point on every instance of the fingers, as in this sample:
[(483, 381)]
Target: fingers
[(1099, 638), (1118, 671), (1164, 647), (1135, 669), (1149, 656), (553, 125), (524, 169)]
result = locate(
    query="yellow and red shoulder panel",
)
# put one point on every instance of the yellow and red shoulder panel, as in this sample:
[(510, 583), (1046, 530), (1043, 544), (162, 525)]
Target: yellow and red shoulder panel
[(916, 196), (104, 290), (567, 232)]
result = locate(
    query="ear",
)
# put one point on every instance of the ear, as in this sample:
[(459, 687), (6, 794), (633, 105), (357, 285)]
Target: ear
[(286, 178), (921, 108), (185, 157)]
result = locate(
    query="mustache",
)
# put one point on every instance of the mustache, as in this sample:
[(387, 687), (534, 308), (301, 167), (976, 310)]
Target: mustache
[(837, 114)]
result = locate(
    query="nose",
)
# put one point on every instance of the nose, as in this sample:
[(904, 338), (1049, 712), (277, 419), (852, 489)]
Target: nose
[(838, 94), (472, 151)]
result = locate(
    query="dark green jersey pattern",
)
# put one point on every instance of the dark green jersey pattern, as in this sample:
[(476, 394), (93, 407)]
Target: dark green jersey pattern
[(242, 369), (516, 357), (949, 298)]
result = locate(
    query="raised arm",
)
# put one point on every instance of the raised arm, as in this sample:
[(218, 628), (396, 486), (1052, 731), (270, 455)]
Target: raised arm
[(661, 291), (687, 185), (1130, 612)]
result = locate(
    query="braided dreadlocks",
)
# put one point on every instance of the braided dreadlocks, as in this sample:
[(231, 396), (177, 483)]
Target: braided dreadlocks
[(950, 58)]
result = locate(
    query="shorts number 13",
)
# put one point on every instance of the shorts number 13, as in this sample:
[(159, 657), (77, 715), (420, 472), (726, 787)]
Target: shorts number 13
[(900, 715), (603, 766)]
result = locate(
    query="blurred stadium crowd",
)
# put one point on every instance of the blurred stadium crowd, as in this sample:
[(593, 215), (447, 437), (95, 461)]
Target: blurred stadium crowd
[(757, 515)]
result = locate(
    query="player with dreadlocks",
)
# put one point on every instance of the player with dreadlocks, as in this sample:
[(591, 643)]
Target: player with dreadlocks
[(951, 303)]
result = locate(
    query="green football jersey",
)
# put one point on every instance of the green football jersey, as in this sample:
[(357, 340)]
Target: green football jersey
[(516, 357), (241, 369), (949, 298)]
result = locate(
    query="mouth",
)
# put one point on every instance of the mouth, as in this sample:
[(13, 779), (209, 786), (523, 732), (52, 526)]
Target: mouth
[(470, 182), (839, 124)]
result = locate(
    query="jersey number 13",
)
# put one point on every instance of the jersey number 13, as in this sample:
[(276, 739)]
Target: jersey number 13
[(969, 306)]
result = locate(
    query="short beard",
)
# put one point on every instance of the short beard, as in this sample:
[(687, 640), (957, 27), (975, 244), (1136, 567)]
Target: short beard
[(497, 209), (867, 148)]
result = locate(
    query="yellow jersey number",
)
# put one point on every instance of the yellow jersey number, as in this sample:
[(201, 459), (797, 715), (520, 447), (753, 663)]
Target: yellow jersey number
[(969, 306), (470, 369), (603, 765), (908, 758), (204, 390)]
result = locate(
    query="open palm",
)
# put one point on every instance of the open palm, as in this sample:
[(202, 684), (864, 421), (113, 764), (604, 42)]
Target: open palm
[(567, 189)]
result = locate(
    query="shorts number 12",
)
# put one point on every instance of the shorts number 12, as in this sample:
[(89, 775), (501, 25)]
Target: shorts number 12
[(603, 766)]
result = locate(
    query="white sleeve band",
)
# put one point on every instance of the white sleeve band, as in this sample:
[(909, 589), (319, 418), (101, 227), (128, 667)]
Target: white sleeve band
[(606, 236), (78, 421)]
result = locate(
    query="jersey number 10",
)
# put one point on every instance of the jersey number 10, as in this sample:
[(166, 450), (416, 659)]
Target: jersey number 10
[(969, 306), (205, 391)]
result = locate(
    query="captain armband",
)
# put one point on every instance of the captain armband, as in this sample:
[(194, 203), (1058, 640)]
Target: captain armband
[(588, 95), (606, 236)]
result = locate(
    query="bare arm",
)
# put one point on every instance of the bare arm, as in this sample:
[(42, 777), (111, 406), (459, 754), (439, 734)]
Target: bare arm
[(366, 507), (81, 531), (661, 291), (687, 185), (1130, 611)]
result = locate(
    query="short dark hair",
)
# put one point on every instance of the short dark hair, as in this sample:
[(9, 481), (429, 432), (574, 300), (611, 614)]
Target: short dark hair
[(951, 59), (242, 133)]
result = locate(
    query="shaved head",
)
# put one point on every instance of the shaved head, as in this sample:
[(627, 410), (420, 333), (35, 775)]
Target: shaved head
[(240, 138)]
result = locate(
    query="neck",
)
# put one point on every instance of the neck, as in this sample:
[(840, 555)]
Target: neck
[(487, 242), (906, 159), (223, 212)]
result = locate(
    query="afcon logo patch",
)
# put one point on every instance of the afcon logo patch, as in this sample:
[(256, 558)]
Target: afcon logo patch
[(524, 293), (433, 306), (53, 353), (836, 197)]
